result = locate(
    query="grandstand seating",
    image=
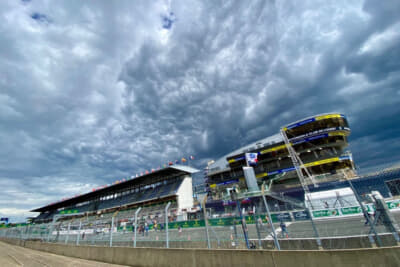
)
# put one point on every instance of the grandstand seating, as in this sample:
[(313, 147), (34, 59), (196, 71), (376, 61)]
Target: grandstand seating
[(41, 216), (160, 191)]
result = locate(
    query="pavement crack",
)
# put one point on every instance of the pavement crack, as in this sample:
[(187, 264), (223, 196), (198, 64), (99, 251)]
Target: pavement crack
[(14, 259)]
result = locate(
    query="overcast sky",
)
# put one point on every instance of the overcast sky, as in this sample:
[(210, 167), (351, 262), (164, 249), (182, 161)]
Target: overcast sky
[(94, 91)]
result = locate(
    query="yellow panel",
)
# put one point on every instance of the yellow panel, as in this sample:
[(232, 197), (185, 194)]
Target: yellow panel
[(231, 160), (320, 162), (339, 133), (276, 148), (261, 175), (213, 185), (329, 116)]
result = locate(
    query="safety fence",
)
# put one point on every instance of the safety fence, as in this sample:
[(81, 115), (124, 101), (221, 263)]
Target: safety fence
[(344, 227)]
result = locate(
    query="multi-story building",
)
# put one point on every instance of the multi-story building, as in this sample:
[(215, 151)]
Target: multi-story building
[(320, 142)]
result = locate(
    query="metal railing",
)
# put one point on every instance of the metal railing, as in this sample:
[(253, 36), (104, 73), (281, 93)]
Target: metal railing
[(343, 227)]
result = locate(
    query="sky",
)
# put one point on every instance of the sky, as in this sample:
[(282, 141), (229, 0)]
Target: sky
[(95, 91)]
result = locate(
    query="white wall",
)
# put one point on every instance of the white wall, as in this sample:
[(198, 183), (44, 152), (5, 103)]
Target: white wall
[(185, 194)]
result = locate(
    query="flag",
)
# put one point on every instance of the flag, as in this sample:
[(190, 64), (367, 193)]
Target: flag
[(251, 159), (191, 158), (170, 163), (146, 172), (176, 161), (164, 165), (183, 160), (153, 170)]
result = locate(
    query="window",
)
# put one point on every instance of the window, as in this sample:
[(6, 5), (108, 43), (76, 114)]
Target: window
[(394, 187)]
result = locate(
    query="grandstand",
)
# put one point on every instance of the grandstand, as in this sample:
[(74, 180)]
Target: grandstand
[(172, 184), (319, 141)]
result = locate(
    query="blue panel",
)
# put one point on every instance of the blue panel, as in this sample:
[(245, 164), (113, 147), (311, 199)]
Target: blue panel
[(294, 125)]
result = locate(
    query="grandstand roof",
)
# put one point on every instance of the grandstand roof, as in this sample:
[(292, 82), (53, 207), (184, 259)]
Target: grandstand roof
[(313, 116), (173, 170)]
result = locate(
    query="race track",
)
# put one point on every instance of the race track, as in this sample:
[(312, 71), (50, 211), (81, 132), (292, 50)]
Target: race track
[(18, 256)]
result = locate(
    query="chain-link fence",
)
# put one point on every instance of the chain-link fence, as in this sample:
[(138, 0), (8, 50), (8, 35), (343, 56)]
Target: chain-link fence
[(248, 226)]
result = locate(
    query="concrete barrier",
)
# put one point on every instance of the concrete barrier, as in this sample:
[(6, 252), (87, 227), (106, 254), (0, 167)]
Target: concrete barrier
[(387, 256)]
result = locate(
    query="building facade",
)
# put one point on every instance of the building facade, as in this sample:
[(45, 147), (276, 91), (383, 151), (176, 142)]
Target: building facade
[(320, 141)]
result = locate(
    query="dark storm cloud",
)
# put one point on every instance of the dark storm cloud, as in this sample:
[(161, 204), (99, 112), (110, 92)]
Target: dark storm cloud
[(106, 90), (40, 17)]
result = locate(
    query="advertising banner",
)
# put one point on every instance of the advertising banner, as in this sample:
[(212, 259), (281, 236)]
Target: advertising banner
[(74, 232), (186, 224), (351, 210), (394, 204), (277, 217), (69, 211), (325, 213), (301, 215)]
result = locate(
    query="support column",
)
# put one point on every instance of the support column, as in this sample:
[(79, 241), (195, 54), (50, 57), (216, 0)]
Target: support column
[(166, 224), (79, 233), (135, 229), (111, 230)]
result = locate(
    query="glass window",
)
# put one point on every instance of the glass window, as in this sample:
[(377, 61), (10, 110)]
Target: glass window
[(394, 187)]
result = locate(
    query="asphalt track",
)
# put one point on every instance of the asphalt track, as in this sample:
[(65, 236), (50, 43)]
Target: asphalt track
[(18, 256)]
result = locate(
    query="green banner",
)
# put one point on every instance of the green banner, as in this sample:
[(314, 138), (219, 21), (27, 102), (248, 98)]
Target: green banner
[(186, 224), (325, 213), (395, 204), (351, 210), (69, 211)]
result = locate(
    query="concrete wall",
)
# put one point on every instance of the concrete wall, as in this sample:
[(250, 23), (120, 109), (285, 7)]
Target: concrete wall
[(389, 256)]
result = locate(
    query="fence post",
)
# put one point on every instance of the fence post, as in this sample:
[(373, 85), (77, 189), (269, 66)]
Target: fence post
[(206, 222), (319, 243), (257, 228), (66, 239), (136, 214), (236, 234), (94, 226), (111, 230), (166, 223), (366, 215), (278, 247), (28, 231), (51, 227), (79, 233)]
